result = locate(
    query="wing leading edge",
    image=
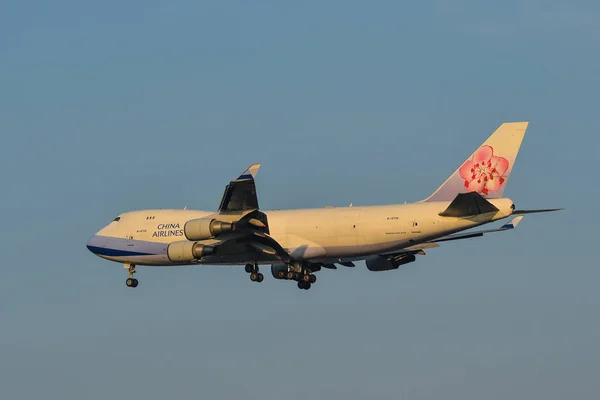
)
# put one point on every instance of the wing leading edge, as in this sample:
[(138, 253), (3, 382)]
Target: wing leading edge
[(419, 247), (508, 226)]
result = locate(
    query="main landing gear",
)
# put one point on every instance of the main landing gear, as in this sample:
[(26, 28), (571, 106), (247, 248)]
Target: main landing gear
[(301, 274), (255, 276), (131, 281), (306, 281)]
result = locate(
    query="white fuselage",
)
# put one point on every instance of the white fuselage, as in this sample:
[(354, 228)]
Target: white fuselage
[(348, 233)]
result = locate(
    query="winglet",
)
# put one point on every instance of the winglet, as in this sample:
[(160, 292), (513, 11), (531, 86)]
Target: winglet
[(513, 223), (240, 194), (250, 173)]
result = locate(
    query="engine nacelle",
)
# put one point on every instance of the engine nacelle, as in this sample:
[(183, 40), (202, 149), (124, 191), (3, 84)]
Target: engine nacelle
[(206, 228), (184, 251), (380, 263), (279, 271)]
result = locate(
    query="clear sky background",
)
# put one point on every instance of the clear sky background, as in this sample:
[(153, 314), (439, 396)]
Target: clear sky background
[(112, 106)]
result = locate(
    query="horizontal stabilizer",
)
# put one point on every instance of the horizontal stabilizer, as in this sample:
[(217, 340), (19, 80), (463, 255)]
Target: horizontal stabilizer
[(468, 205), (536, 211)]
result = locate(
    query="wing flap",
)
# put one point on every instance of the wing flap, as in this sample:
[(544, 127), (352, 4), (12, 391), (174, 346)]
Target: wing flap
[(238, 243), (421, 246), (263, 248), (349, 264)]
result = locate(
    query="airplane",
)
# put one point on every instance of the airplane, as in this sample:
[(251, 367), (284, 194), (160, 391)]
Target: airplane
[(298, 243)]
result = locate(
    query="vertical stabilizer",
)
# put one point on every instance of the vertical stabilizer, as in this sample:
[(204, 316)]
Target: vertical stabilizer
[(487, 170)]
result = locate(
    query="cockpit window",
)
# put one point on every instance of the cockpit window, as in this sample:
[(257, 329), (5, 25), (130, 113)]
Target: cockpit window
[(117, 219)]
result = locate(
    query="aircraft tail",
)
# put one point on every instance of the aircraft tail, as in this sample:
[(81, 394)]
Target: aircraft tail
[(487, 170)]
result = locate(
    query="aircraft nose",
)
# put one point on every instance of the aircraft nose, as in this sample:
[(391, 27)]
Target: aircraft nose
[(93, 244), (90, 245)]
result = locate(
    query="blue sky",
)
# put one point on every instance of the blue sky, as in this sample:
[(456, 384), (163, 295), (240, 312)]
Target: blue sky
[(114, 106)]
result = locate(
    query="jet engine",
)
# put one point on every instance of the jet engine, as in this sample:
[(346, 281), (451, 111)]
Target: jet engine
[(206, 228), (279, 270), (184, 251), (380, 263)]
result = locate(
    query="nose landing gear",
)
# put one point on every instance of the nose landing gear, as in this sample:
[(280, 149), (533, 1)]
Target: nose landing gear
[(131, 281)]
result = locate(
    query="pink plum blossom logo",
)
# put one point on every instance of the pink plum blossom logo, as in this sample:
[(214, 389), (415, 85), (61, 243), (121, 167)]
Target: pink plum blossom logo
[(483, 172)]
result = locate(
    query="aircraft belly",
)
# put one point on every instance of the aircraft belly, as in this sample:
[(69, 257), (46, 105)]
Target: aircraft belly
[(240, 259), (339, 233), (151, 260), (364, 249)]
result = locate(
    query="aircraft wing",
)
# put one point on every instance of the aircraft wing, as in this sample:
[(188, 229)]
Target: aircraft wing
[(250, 240), (240, 194), (419, 247), (508, 226)]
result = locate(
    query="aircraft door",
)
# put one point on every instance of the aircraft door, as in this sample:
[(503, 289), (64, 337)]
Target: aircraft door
[(130, 241), (347, 228)]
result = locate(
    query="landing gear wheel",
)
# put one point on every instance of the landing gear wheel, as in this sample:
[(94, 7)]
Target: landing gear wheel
[(281, 274), (313, 278), (131, 282), (290, 275), (306, 278), (303, 285), (255, 276)]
